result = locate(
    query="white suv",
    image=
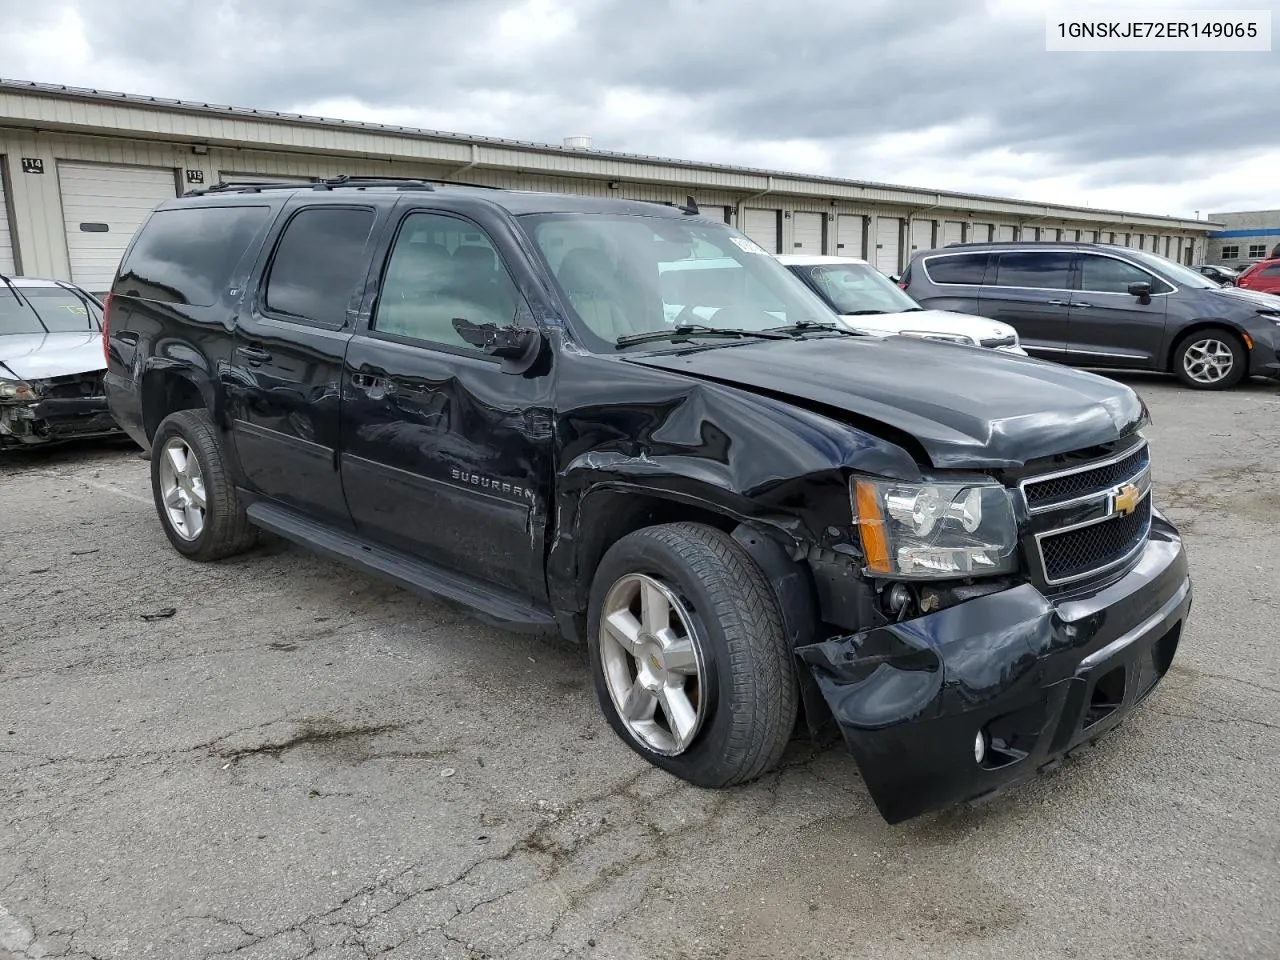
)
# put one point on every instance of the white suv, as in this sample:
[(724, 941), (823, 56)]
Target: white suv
[(869, 302)]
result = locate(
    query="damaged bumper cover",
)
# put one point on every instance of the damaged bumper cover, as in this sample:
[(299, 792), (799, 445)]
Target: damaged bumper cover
[(54, 419), (1034, 677)]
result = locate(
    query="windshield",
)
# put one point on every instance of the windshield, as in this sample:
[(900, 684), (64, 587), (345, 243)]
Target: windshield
[(857, 288), (627, 275), (51, 310), (1183, 276)]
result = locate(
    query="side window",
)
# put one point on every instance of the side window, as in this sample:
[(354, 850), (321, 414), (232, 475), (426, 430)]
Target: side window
[(969, 268), (317, 265), (442, 268), (1040, 269), (1271, 271), (187, 254), (1108, 275)]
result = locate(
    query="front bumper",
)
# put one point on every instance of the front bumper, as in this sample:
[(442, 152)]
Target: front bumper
[(54, 420), (1038, 677)]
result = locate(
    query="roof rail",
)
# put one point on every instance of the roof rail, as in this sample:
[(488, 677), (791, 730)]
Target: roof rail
[(332, 183)]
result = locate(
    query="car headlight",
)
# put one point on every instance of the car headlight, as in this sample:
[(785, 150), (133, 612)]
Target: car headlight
[(935, 530), (945, 337), (17, 390)]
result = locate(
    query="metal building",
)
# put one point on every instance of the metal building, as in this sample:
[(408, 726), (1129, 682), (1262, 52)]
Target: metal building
[(1250, 236), (79, 169)]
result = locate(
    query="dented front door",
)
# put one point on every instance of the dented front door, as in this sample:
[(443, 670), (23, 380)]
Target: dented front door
[(445, 455)]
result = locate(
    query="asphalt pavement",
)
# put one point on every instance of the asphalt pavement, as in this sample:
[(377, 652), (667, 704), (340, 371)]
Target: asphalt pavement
[(274, 757)]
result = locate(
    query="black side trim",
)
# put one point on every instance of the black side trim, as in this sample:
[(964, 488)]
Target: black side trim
[(256, 431), (489, 603)]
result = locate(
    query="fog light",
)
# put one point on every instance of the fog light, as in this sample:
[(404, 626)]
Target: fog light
[(979, 747)]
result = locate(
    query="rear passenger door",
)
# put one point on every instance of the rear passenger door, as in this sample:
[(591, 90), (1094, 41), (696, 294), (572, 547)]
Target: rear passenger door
[(1031, 291), (444, 455), (286, 367), (1109, 326)]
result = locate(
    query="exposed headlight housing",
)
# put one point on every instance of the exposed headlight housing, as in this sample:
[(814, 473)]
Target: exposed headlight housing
[(18, 390), (935, 531), (945, 337)]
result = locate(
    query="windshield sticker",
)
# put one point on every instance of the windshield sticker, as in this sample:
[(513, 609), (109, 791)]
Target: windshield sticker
[(751, 247)]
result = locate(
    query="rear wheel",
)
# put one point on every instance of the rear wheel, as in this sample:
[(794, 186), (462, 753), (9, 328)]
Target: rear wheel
[(691, 665), (1211, 359), (194, 495)]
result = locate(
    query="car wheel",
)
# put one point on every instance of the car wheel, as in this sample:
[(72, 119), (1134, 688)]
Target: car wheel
[(1211, 359), (196, 500), (691, 665)]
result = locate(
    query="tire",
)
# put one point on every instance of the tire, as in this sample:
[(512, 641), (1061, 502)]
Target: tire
[(223, 530), (740, 681), (1211, 341)]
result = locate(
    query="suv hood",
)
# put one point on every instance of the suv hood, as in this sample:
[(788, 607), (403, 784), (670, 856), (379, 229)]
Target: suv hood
[(966, 407), (38, 356)]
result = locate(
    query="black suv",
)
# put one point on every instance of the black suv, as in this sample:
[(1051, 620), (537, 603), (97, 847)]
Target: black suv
[(757, 522), (1099, 305)]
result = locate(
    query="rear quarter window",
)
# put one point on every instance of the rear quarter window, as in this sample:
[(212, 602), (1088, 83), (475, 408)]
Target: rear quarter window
[(966, 268), (187, 255)]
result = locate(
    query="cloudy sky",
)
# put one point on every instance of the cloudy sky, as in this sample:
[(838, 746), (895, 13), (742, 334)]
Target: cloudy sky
[(950, 94)]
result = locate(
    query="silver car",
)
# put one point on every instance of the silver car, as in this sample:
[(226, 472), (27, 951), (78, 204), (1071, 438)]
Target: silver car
[(51, 364)]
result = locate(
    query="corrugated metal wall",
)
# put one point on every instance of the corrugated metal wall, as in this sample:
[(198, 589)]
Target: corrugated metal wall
[(39, 235)]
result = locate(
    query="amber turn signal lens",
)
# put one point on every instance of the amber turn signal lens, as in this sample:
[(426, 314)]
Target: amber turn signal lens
[(875, 543)]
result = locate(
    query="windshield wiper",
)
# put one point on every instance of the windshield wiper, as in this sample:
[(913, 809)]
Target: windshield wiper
[(807, 326), (684, 331)]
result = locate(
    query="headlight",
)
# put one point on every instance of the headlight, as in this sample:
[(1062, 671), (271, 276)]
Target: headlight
[(946, 337), (17, 390), (935, 530)]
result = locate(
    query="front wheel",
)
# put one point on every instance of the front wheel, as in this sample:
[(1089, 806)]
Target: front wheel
[(691, 665), (1211, 359)]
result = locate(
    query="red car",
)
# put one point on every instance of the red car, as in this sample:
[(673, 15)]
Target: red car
[(1263, 276)]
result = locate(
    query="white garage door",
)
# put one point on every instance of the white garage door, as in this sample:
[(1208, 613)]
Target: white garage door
[(102, 206), (921, 235), (888, 244), (849, 241), (714, 211), (7, 265), (1029, 234), (762, 227), (806, 232), (980, 233), (1006, 234), (952, 232)]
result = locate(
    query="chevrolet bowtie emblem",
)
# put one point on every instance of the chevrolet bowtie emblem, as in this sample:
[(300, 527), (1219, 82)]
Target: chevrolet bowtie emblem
[(1125, 499)]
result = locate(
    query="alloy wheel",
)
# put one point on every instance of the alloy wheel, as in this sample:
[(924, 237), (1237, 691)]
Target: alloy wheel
[(1208, 361), (653, 664), (182, 489)]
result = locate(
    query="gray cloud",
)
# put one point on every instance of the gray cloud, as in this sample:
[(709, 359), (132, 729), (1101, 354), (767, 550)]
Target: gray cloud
[(840, 75)]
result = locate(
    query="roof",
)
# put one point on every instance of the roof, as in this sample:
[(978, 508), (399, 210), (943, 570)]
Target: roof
[(516, 202), (239, 126)]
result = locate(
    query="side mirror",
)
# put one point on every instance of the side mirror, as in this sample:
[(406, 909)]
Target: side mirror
[(517, 347), (1141, 290)]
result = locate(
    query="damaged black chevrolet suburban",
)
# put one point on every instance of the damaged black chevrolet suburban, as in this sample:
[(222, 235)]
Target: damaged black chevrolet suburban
[(759, 523)]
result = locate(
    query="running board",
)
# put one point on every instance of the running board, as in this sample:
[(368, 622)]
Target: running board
[(490, 604)]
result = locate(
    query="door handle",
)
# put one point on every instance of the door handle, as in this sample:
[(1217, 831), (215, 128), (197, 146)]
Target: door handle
[(1076, 303), (367, 381), (254, 354), (1059, 303)]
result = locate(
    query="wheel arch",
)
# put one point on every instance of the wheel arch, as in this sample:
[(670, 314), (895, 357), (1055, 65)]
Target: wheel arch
[(168, 388)]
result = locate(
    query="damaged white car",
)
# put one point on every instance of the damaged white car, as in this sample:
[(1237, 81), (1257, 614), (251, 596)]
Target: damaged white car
[(51, 364)]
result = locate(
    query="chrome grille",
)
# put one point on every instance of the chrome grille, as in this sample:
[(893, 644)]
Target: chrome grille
[(1086, 520), (1078, 553), (1085, 480)]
